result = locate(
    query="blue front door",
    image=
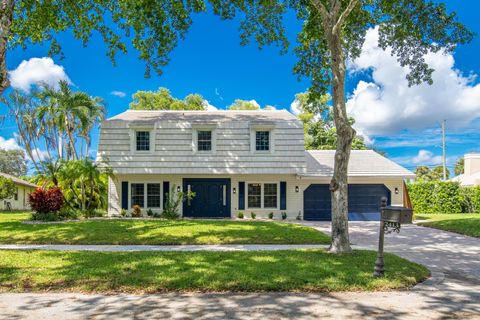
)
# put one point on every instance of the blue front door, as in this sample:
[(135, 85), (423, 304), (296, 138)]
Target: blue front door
[(212, 198)]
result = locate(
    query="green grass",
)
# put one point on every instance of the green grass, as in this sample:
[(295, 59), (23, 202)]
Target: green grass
[(467, 224), (128, 231), (149, 272)]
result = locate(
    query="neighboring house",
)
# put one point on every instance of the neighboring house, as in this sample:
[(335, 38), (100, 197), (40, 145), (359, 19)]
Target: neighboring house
[(235, 161), (20, 200), (471, 175)]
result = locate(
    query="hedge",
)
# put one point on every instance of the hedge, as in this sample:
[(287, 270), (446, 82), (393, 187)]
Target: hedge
[(444, 197)]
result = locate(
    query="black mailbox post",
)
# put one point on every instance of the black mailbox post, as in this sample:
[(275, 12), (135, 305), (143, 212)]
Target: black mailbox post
[(391, 219)]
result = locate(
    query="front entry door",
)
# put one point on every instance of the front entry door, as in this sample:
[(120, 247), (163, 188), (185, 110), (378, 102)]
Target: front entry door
[(212, 198)]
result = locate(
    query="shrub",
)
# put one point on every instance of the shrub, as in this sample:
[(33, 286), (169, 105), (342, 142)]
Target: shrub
[(46, 201), (68, 214), (471, 199), (284, 215), (157, 215), (7, 188), (150, 212), (173, 201), (253, 215), (45, 216), (136, 211), (270, 215), (170, 215), (240, 215), (123, 213), (437, 197)]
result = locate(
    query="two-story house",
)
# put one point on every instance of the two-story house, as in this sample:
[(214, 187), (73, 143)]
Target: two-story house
[(235, 161)]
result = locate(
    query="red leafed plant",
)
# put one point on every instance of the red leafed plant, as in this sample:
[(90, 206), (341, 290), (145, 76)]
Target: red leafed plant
[(45, 201)]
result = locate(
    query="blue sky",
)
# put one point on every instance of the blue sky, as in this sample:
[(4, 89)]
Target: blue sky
[(211, 62)]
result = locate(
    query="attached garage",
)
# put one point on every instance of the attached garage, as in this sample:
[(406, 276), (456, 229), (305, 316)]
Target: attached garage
[(363, 202), (370, 176)]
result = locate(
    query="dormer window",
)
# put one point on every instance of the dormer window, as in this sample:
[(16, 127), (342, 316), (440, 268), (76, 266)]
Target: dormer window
[(142, 139), (262, 140), (204, 140)]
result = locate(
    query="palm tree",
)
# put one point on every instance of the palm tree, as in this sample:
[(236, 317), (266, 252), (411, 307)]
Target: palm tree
[(96, 114)]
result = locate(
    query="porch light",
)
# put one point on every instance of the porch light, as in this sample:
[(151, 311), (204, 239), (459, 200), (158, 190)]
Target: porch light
[(396, 191), (234, 190), (297, 189), (178, 189)]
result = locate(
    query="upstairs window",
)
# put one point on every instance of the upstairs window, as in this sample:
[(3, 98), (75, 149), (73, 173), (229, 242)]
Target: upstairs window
[(204, 140), (262, 140), (143, 140)]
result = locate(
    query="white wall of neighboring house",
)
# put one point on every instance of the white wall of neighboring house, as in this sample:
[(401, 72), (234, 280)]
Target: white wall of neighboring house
[(20, 200)]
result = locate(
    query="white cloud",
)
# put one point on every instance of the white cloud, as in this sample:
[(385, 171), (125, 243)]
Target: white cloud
[(119, 94), (426, 157), (295, 107), (388, 105), (208, 106), (37, 71), (9, 144)]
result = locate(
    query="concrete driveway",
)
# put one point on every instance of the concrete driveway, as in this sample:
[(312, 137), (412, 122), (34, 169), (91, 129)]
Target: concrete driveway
[(453, 292)]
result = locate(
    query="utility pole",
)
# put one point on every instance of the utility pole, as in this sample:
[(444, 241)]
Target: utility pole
[(444, 147)]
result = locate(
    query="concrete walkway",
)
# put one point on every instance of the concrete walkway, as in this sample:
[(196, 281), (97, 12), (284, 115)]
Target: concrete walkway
[(453, 293), (132, 248)]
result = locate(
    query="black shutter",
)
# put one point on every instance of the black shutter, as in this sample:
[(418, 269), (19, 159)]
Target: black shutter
[(125, 195), (241, 195), (283, 195), (166, 192)]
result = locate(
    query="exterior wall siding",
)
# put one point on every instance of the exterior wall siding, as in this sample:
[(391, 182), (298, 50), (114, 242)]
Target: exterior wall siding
[(22, 201), (173, 149), (294, 199)]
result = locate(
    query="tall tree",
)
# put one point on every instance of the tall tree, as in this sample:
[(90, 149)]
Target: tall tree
[(317, 117), (13, 162), (162, 99), (424, 173), (7, 188), (459, 166), (240, 104)]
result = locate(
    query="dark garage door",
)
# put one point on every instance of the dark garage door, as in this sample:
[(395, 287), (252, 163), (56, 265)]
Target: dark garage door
[(363, 202)]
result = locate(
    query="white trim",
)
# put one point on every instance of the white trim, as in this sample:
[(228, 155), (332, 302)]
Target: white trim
[(271, 139), (262, 195), (133, 139)]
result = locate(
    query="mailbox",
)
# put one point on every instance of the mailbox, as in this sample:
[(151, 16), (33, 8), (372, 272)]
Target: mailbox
[(399, 215)]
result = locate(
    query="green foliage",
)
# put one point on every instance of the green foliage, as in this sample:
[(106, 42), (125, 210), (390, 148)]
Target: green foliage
[(240, 104), (459, 166), (318, 123), (150, 212), (424, 173), (173, 201), (471, 199), (13, 162), (240, 215), (7, 188), (163, 100), (284, 215), (253, 215), (436, 197), (123, 213), (270, 215)]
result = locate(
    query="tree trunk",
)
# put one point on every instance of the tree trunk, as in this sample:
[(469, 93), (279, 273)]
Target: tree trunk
[(6, 17), (345, 134)]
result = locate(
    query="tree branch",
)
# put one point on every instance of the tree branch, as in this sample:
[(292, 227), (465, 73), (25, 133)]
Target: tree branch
[(344, 15), (321, 8)]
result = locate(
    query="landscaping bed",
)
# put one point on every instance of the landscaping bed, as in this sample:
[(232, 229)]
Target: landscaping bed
[(155, 232), (467, 224), (249, 271)]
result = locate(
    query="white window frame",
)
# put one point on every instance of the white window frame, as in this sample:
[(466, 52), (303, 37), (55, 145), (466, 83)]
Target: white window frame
[(262, 194), (145, 194), (254, 127), (133, 138), (204, 127)]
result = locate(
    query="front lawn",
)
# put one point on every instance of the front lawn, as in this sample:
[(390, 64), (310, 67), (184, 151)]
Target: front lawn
[(127, 231), (149, 272), (467, 224)]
